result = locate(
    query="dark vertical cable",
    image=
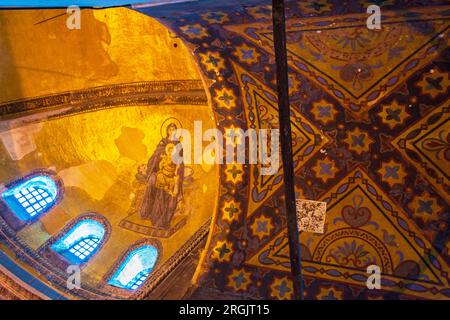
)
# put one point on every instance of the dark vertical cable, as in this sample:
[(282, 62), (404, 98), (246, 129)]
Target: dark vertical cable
[(279, 34)]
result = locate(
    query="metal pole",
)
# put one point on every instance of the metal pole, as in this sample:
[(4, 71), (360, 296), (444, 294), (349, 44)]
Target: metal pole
[(279, 34)]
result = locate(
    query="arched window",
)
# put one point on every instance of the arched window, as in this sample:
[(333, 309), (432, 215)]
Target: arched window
[(80, 242), (136, 268), (31, 198)]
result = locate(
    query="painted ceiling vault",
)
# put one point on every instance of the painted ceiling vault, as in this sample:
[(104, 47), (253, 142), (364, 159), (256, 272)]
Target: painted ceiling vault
[(371, 138)]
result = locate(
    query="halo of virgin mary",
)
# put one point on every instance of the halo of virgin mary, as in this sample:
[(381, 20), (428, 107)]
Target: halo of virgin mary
[(164, 179)]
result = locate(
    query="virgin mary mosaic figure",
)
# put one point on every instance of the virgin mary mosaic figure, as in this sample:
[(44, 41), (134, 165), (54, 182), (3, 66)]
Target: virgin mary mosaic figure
[(164, 179)]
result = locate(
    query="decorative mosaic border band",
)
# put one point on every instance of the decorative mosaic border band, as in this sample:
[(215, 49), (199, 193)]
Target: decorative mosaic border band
[(185, 92)]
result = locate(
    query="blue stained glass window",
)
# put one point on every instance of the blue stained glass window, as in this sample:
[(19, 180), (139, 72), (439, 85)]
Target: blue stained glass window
[(78, 245), (136, 268), (31, 198)]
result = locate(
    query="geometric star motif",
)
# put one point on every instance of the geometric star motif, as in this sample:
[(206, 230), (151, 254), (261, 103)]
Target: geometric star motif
[(425, 207), (215, 17), (392, 172), (212, 61), (358, 141), (325, 169), (324, 111), (259, 12), (434, 83), (317, 6), (282, 288), (234, 173), (239, 279), (393, 114), (246, 54), (262, 227), (195, 31), (231, 210), (222, 251), (225, 98), (233, 135)]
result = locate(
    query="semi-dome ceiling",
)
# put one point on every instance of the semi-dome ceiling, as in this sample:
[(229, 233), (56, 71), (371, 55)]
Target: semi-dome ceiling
[(88, 108)]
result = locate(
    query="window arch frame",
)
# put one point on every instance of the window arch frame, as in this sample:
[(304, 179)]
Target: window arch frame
[(122, 258), (11, 218), (59, 260)]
